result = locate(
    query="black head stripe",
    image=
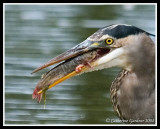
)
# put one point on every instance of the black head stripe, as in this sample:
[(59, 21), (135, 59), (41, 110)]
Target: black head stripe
[(118, 31)]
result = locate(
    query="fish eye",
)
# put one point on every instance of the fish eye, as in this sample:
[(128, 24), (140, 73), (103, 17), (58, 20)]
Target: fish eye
[(109, 41)]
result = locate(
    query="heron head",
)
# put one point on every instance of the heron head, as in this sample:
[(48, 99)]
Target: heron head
[(114, 46)]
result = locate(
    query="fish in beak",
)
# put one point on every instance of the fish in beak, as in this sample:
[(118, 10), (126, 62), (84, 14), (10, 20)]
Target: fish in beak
[(77, 60)]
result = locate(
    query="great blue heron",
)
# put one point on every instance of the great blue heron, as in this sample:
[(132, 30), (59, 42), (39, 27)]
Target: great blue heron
[(133, 91)]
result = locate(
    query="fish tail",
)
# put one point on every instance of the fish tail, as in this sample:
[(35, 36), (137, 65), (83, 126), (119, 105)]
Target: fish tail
[(36, 95)]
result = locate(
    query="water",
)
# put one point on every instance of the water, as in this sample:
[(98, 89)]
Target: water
[(36, 33)]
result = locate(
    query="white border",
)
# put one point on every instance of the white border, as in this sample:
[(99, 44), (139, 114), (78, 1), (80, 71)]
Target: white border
[(77, 4), (80, 4), (4, 65)]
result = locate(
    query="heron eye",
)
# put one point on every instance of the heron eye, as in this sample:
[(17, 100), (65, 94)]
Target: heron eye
[(109, 41)]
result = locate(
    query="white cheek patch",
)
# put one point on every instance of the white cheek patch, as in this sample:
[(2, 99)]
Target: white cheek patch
[(116, 57), (115, 54)]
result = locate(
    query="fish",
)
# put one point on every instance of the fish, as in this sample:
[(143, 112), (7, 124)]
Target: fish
[(66, 69)]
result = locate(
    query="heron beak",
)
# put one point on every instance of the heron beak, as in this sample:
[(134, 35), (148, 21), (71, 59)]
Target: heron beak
[(81, 48), (76, 61)]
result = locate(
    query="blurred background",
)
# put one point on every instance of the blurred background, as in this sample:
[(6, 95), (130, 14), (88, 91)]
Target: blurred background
[(36, 33)]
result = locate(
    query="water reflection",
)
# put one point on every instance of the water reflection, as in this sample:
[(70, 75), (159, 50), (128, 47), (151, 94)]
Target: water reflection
[(36, 33)]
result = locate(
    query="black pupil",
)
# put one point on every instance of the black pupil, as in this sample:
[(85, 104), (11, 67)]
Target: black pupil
[(109, 40)]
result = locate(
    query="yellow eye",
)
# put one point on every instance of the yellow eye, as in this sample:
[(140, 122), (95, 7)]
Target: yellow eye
[(109, 41)]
